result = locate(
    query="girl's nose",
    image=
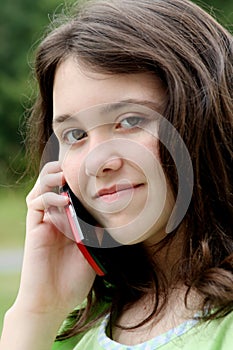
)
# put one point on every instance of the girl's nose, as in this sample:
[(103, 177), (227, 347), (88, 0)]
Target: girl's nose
[(103, 159)]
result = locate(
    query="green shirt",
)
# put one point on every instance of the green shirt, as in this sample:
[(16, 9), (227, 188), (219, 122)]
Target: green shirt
[(213, 335)]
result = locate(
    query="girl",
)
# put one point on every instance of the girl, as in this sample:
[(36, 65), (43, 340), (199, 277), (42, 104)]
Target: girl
[(139, 96)]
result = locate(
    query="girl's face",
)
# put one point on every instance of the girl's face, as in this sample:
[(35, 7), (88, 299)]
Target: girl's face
[(107, 127)]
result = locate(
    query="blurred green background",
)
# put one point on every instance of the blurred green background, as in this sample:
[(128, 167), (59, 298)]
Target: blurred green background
[(22, 24)]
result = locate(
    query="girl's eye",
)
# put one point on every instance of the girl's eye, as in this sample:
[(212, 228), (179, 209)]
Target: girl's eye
[(73, 136), (131, 122)]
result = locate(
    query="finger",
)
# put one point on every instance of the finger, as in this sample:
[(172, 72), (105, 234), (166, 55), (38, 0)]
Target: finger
[(51, 167), (47, 200), (50, 181), (45, 182), (57, 216), (38, 206)]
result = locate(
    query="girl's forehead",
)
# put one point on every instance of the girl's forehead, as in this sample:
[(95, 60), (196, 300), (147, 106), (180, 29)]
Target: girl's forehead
[(77, 88)]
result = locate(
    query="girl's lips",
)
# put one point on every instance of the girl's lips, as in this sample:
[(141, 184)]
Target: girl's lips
[(112, 193)]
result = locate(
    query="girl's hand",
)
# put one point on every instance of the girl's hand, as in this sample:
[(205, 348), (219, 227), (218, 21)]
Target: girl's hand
[(55, 275)]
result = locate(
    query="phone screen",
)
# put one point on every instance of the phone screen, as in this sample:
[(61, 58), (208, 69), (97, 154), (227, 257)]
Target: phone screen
[(83, 227)]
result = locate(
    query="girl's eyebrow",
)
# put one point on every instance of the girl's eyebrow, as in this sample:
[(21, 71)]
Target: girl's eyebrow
[(111, 107), (61, 118)]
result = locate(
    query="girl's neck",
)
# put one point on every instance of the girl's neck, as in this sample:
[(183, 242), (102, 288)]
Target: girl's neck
[(174, 313), (177, 309)]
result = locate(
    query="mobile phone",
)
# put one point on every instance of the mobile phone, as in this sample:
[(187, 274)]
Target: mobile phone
[(83, 229)]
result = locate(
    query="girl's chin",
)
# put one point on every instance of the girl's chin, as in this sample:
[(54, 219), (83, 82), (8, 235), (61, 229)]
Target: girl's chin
[(133, 234)]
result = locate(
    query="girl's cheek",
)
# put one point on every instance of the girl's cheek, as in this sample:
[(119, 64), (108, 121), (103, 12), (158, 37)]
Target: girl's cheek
[(72, 171), (62, 157), (151, 143), (67, 167)]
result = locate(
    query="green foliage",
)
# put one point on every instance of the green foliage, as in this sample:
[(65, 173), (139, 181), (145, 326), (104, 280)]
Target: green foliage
[(222, 10), (22, 23)]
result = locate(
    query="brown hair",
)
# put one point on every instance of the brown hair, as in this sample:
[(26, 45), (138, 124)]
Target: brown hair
[(193, 55)]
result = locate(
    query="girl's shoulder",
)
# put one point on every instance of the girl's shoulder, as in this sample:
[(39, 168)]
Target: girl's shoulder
[(212, 335), (70, 343)]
